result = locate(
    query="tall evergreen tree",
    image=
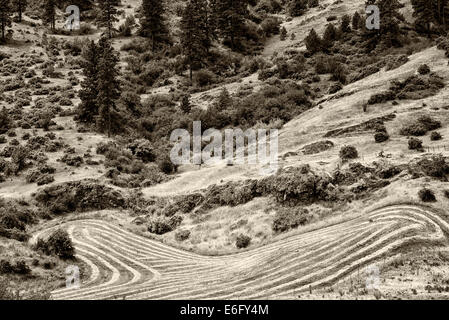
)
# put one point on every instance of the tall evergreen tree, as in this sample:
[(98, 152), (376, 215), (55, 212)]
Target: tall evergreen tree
[(431, 12), (329, 36), (152, 22), (356, 21), (88, 108), (20, 6), (49, 14), (389, 32), (108, 86), (345, 24), (231, 16), (195, 41), (313, 42), (5, 16), (108, 15)]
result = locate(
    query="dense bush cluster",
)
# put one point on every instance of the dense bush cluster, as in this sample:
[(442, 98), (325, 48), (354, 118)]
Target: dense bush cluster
[(287, 219), (79, 196), (58, 244), (420, 126)]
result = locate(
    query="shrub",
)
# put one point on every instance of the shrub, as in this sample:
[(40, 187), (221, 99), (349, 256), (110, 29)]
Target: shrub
[(5, 121), (289, 218), (242, 241), (21, 268), (5, 267), (270, 26), (380, 137), (204, 78), (436, 167), (339, 73), (424, 69), (161, 225), (166, 166), (182, 235), (446, 193), (420, 126), (58, 244), (427, 195), (435, 136), (348, 152), (415, 144)]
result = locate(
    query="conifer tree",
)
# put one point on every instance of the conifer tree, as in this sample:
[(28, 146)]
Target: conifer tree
[(194, 40), (5, 16), (356, 21), (389, 31), (185, 104), (430, 12), (108, 86), (330, 36), (345, 24), (49, 14), (313, 42), (152, 22), (108, 15), (231, 16), (20, 6), (283, 35), (88, 108)]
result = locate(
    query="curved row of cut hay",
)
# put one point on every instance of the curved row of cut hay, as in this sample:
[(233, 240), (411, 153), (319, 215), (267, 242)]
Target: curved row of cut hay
[(128, 266)]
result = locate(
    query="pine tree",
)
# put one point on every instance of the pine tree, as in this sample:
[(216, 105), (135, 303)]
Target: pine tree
[(345, 24), (49, 14), (108, 15), (313, 42), (389, 31), (185, 104), (224, 100), (356, 21), (194, 40), (329, 36), (230, 15), (88, 108), (20, 6), (108, 86), (297, 7), (430, 12), (283, 34), (152, 22), (5, 16)]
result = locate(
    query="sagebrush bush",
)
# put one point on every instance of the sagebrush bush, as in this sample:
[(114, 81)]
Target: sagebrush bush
[(380, 137), (182, 235), (348, 153), (289, 218), (242, 241), (58, 244), (435, 136), (420, 126), (427, 195), (415, 144)]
